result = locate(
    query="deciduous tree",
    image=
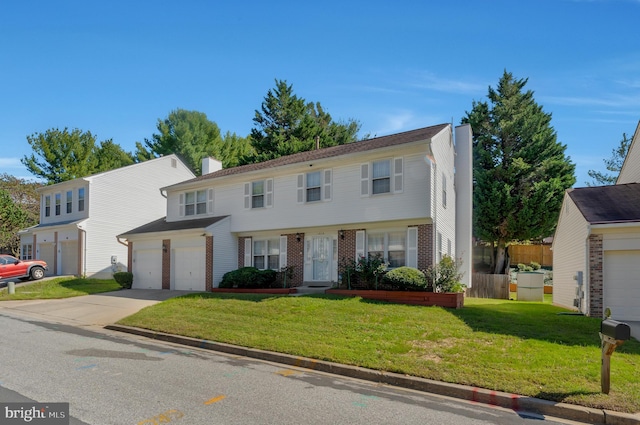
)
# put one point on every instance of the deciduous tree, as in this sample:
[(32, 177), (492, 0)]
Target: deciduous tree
[(520, 170)]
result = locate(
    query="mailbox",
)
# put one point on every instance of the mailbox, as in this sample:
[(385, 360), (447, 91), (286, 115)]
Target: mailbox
[(616, 330)]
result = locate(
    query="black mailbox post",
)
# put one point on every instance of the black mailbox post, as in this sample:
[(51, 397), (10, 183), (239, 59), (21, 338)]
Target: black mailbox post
[(612, 334)]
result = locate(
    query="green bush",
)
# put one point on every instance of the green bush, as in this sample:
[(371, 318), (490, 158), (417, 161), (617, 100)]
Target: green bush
[(534, 265), (125, 279), (445, 276), (365, 273), (406, 279), (524, 268), (248, 277)]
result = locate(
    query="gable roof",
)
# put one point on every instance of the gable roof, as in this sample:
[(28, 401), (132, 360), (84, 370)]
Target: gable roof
[(608, 204), (162, 225), (626, 173), (420, 134)]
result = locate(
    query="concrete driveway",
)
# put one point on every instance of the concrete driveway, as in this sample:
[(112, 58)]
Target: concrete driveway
[(90, 310)]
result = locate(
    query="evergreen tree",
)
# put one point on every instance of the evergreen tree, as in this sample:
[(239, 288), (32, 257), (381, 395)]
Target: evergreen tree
[(613, 164), (520, 170), (287, 124)]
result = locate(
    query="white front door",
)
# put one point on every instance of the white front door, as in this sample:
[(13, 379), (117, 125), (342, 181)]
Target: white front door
[(321, 258)]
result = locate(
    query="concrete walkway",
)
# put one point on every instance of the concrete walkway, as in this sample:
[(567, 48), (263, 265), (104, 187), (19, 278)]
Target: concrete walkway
[(91, 310)]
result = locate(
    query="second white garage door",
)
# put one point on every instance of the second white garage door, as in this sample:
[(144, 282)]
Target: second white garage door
[(622, 284), (147, 269), (188, 269), (69, 253)]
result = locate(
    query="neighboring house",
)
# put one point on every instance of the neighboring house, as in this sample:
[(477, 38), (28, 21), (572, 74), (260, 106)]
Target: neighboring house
[(80, 218), (596, 249), (393, 195)]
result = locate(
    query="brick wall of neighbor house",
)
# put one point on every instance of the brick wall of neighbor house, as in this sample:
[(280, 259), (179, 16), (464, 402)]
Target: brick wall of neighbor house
[(425, 246), (166, 264), (347, 248), (596, 258), (295, 257), (209, 264)]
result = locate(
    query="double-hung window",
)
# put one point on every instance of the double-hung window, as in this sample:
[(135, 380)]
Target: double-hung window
[(47, 206), (27, 252), (196, 202), (381, 177), (390, 246), (58, 202), (81, 199), (258, 194), (266, 254), (69, 201), (314, 187)]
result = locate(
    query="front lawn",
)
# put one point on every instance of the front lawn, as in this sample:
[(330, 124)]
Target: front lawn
[(63, 287), (532, 349)]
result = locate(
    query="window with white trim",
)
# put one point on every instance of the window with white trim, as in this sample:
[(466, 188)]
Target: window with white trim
[(258, 194), (47, 206), (81, 199), (444, 191), (314, 186), (196, 202), (381, 177), (266, 254), (58, 198), (391, 246), (440, 253), (26, 251), (69, 201)]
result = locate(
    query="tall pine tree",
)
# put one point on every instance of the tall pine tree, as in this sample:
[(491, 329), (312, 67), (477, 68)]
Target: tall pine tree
[(520, 170)]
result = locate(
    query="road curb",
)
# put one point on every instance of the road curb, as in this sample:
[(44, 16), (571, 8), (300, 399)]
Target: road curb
[(479, 395)]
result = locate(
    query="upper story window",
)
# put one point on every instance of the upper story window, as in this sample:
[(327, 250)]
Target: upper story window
[(258, 194), (314, 186), (81, 199), (382, 176), (196, 202), (58, 203), (47, 206), (444, 191), (69, 201)]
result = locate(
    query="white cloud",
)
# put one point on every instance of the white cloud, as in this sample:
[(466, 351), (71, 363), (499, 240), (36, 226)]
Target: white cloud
[(427, 80), (10, 162)]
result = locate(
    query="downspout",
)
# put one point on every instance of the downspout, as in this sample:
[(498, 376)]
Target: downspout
[(84, 251), (586, 278), (162, 193)]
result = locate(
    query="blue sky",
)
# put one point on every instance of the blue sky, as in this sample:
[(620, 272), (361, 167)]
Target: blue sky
[(114, 68)]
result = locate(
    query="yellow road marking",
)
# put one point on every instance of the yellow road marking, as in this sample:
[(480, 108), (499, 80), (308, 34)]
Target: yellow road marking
[(214, 400), (286, 372)]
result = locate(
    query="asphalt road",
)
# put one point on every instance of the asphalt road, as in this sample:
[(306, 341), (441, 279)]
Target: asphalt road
[(113, 378)]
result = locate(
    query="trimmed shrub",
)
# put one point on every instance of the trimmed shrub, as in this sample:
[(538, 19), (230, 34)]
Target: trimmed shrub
[(524, 268), (406, 279), (125, 279), (248, 277), (534, 265), (445, 276)]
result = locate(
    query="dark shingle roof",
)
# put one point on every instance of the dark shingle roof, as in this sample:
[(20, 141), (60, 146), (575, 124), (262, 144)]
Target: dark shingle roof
[(161, 225), (425, 133), (608, 204)]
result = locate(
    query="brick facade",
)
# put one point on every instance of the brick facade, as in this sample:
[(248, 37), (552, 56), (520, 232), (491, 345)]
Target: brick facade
[(596, 281), (241, 251), (295, 257), (166, 264), (208, 283)]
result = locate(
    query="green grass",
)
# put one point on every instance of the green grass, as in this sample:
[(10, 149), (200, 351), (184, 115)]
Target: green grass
[(63, 287), (518, 347)]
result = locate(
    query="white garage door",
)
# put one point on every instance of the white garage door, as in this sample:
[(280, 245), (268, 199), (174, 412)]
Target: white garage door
[(188, 269), (46, 253), (147, 269), (69, 252), (622, 284)]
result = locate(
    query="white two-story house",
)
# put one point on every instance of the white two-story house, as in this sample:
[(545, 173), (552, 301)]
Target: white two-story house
[(80, 218), (395, 196)]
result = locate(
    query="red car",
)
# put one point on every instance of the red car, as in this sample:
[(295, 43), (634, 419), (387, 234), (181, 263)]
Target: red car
[(11, 267)]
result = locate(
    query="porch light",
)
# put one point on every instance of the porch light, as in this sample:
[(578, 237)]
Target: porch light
[(298, 237), (341, 233)]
